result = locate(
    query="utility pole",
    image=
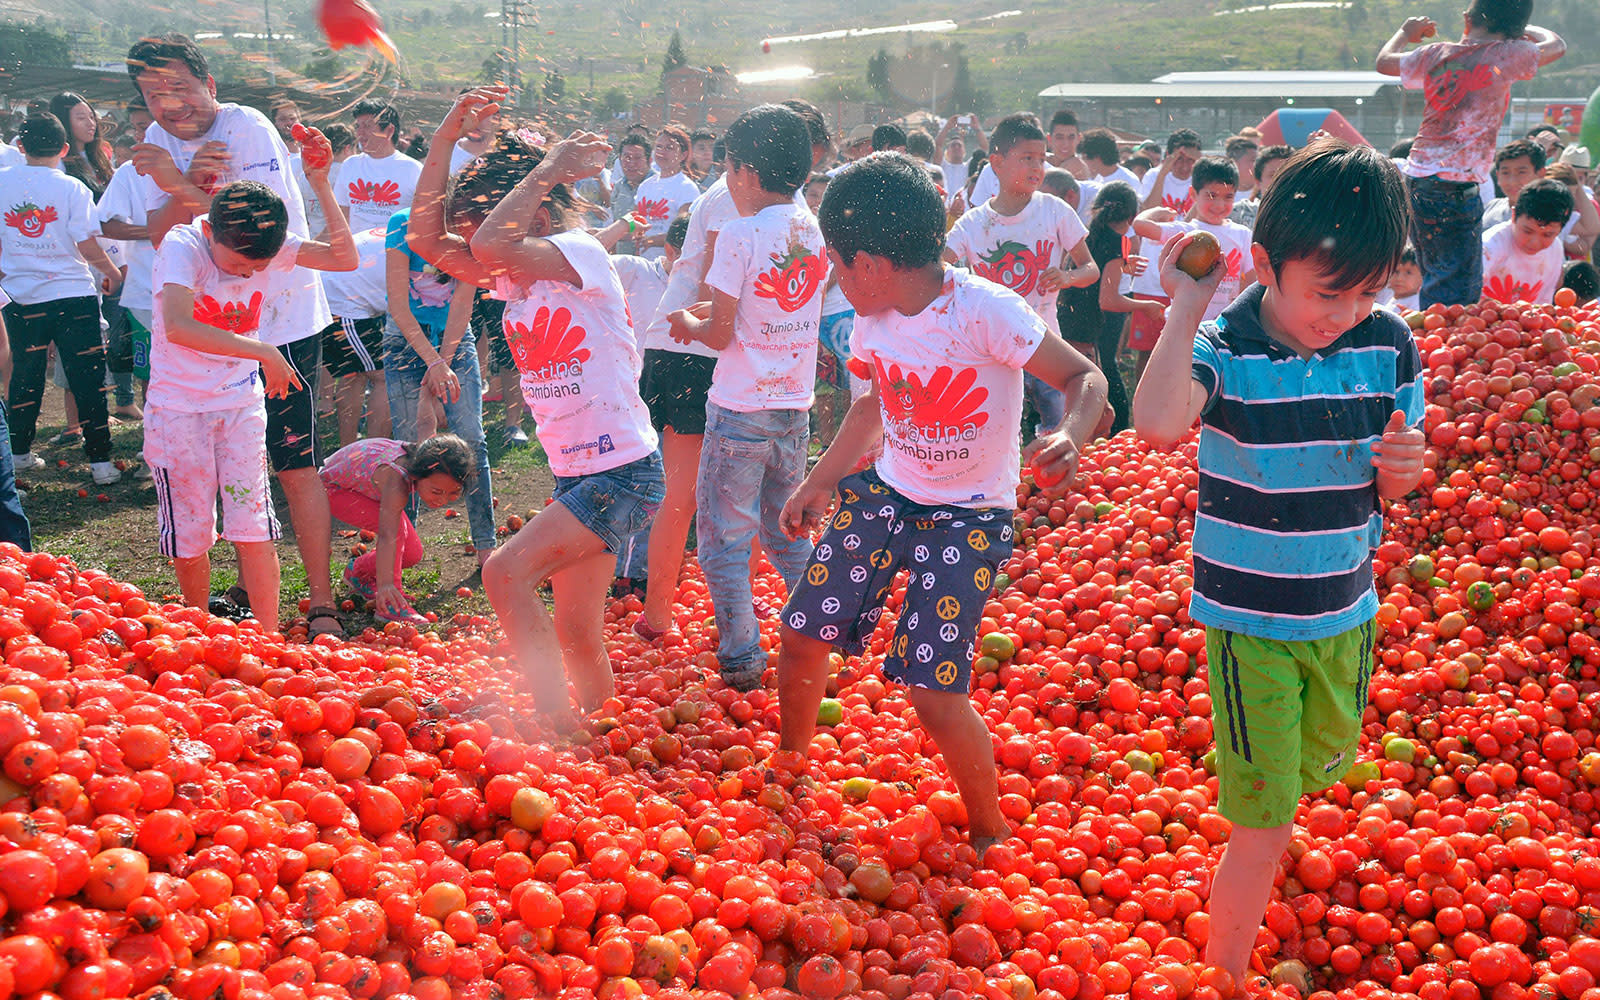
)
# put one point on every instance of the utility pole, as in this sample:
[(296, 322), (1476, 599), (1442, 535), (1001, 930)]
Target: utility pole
[(512, 13), (266, 15)]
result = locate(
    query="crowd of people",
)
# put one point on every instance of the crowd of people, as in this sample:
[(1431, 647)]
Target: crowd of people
[(827, 353)]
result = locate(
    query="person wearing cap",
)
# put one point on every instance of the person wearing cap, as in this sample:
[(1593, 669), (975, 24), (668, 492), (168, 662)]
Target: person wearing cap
[(1549, 137), (1579, 235), (857, 144)]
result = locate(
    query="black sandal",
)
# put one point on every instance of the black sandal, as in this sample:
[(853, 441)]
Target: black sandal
[(324, 612), (238, 596)]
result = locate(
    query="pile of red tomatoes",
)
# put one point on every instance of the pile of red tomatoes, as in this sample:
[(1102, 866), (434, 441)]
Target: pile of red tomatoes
[(190, 808)]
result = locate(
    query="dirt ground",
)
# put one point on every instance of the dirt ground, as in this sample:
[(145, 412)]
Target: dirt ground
[(114, 527)]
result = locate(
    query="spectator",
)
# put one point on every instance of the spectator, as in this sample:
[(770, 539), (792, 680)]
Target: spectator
[(1063, 142), (380, 180)]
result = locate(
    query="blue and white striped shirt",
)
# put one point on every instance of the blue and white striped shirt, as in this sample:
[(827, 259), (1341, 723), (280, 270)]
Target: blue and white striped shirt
[(1289, 513)]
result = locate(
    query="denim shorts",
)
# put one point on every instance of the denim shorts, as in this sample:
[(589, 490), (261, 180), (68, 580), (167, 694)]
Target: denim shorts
[(616, 503)]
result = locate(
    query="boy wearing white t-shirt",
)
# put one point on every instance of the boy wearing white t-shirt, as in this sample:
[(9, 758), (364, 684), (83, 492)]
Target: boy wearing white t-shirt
[(206, 422), (766, 278), (1522, 259), (380, 180), (47, 249), (662, 195), (945, 351), (14, 527), (1026, 240)]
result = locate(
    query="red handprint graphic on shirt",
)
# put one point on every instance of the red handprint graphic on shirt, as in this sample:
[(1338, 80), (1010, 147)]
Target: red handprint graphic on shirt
[(1235, 262), (651, 209), (947, 405), (235, 317), (1505, 288), (1015, 266), (29, 219), (794, 280), (372, 193), (1180, 206), (550, 348)]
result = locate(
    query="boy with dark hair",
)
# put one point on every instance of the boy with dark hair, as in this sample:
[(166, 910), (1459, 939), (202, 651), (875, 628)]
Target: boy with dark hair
[(1169, 186), (205, 428), (1029, 242), (1517, 164), (1100, 154), (889, 137), (1522, 259), (194, 146), (1310, 405), (1582, 278), (380, 180), (702, 164), (1214, 180), (632, 167), (1468, 87), (765, 278), (1406, 281), (1063, 138), (945, 352), (1243, 151), (47, 250), (919, 144)]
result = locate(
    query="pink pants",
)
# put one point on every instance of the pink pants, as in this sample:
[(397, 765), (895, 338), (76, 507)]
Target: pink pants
[(362, 512)]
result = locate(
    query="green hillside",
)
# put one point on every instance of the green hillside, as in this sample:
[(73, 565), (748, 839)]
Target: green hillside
[(609, 53)]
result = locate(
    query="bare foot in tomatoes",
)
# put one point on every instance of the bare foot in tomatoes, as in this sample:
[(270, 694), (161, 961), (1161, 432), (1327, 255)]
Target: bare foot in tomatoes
[(982, 844)]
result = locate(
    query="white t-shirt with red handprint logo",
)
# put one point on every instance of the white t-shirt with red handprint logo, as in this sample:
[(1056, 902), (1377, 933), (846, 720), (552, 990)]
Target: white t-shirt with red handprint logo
[(659, 200), (1014, 250), (46, 215), (1509, 275), (189, 381), (374, 188), (1177, 193), (1235, 241), (773, 262), (579, 362), (950, 391)]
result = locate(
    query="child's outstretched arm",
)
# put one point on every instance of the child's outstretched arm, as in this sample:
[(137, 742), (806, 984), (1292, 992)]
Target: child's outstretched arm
[(1413, 31), (1551, 46), (95, 255), (862, 426), (426, 234), (502, 243), (393, 493), (1168, 400), (1063, 367), (336, 249), (183, 330), (714, 329)]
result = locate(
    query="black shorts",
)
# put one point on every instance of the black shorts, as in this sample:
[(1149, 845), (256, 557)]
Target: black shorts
[(488, 323), (353, 346), (951, 554), (292, 420), (674, 388)]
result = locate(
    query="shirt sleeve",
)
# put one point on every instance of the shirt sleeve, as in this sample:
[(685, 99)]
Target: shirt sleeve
[(1205, 365), (116, 202), (1524, 61), (289, 255), (587, 257), (1414, 66), (394, 237), (1005, 327), (1070, 230), (730, 261), (81, 220), (178, 260), (341, 192), (957, 243)]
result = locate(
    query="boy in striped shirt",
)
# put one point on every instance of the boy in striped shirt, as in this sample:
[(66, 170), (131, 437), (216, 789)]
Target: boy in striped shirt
[(1310, 404)]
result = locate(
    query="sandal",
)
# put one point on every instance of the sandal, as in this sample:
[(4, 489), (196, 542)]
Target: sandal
[(645, 631), (221, 607), (319, 613), (239, 596)]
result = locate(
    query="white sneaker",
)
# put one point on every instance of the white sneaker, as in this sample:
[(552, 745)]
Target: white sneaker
[(104, 473), (26, 462)]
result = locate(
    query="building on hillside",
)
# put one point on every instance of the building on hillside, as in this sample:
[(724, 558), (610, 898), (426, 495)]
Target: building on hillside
[(1219, 104), (692, 96)]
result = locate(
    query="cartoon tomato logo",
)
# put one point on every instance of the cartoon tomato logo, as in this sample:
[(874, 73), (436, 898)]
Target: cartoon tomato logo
[(946, 405), (371, 193), (793, 280), (1015, 266), (551, 347), (651, 209), (1505, 288), (29, 219), (235, 317)]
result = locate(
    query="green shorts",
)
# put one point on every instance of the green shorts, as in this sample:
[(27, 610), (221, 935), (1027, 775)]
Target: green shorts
[(1287, 718)]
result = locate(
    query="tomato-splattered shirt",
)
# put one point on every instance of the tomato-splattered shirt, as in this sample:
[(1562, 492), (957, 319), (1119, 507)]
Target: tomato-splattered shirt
[(355, 466), (950, 391), (1014, 250), (1466, 88)]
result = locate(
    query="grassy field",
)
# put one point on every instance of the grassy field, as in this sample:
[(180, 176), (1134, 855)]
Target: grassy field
[(114, 527)]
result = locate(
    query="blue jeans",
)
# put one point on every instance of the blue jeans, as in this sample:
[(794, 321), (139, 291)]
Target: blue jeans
[(1048, 402), (1445, 216), (403, 371), (750, 463), (14, 525)]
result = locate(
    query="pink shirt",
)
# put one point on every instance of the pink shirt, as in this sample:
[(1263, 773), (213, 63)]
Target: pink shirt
[(354, 466), (1467, 89)]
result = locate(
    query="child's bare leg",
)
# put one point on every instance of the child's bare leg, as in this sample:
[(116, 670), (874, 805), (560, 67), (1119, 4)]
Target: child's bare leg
[(1239, 892), (680, 455), (546, 545), (511, 394), (258, 572), (72, 412), (580, 595), (968, 750), (194, 579), (378, 423), (347, 401), (802, 681)]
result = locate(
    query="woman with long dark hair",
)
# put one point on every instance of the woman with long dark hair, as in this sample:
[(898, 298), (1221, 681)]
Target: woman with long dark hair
[(88, 156)]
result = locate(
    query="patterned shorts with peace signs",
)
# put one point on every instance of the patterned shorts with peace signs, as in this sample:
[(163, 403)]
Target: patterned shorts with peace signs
[(950, 554)]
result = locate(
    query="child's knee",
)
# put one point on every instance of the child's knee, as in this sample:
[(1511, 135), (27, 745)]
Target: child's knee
[(939, 709)]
